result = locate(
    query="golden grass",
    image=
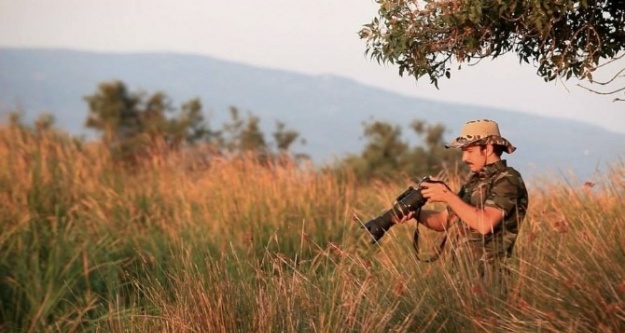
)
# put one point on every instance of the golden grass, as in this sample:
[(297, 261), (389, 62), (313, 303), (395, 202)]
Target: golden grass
[(189, 242)]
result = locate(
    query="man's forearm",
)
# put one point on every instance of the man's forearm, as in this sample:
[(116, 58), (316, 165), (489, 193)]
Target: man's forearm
[(433, 220), (482, 220)]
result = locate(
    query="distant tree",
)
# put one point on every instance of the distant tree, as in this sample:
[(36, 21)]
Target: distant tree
[(431, 157), (131, 122), (153, 120), (41, 128), (44, 122), (383, 155), (194, 125), (114, 112), (243, 134), (563, 38), (284, 138), (386, 155), (16, 118)]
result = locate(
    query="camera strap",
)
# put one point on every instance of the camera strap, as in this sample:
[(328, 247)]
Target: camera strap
[(415, 245)]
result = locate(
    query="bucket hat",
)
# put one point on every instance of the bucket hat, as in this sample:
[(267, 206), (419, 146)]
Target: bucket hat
[(481, 132)]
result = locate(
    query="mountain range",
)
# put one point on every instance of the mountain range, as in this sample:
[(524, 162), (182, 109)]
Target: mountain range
[(327, 110)]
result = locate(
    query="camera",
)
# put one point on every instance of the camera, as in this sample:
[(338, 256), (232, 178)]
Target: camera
[(411, 200)]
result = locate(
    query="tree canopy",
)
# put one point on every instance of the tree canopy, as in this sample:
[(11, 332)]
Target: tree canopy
[(387, 156), (132, 123), (562, 38), (136, 125)]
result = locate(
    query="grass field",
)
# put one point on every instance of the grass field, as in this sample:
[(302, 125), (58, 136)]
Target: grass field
[(179, 244)]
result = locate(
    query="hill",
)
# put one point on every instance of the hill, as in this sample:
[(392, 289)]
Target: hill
[(328, 111)]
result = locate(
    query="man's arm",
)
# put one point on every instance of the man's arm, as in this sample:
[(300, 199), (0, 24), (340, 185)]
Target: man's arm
[(434, 220), (482, 220), (431, 219)]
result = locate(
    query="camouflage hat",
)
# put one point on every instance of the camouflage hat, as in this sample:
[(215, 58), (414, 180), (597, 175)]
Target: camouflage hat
[(481, 132)]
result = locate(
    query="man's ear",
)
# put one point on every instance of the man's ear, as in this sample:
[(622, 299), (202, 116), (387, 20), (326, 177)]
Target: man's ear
[(490, 149)]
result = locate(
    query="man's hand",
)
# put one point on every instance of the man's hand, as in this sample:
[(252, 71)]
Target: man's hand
[(436, 192), (406, 217)]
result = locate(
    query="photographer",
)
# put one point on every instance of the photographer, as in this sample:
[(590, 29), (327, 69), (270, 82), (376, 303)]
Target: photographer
[(487, 211)]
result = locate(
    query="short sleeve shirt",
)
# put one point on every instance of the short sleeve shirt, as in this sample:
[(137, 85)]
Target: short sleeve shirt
[(503, 188)]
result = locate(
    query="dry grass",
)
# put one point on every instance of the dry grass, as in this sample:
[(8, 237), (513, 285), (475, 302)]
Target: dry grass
[(183, 243)]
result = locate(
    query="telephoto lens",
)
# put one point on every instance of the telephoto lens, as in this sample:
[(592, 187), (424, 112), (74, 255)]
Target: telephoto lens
[(409, 201)]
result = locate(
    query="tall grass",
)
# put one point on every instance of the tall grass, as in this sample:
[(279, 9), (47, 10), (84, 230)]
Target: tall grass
[(182, 244)]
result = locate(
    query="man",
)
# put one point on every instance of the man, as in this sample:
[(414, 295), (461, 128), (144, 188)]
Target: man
[(488, 209)]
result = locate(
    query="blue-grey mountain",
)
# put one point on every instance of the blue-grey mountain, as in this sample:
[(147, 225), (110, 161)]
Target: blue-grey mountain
[(328, 111)]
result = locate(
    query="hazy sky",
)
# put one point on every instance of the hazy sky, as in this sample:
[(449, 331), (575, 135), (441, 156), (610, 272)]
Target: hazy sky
[(313, 36)]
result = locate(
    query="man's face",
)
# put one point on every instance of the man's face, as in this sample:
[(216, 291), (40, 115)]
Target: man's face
[(474, 157)]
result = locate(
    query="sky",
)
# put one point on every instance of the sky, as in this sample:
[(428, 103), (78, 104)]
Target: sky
[(315, 37)]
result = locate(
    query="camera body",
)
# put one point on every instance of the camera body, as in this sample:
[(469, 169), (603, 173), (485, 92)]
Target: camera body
[(411, 200)]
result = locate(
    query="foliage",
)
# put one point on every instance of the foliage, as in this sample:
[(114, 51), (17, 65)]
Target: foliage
[(135, 124), (387, 155), (130, 122), (284, 137), (562, 38), (244, 135), (43, 123)]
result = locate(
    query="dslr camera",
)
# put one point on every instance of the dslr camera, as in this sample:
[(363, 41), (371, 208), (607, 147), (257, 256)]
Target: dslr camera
[(410, 200)]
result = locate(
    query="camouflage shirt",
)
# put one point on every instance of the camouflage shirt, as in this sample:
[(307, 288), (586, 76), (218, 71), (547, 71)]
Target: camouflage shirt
[(501, 187)]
